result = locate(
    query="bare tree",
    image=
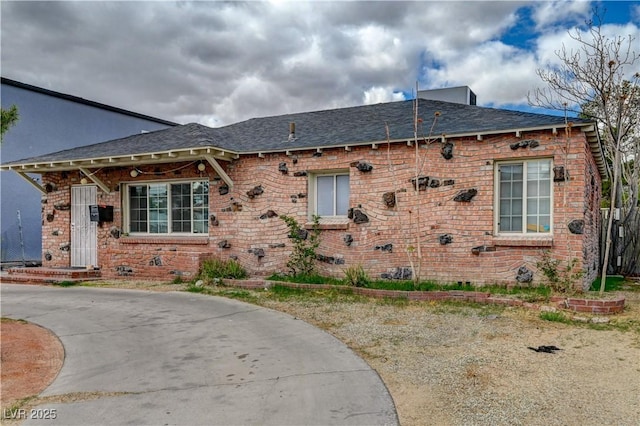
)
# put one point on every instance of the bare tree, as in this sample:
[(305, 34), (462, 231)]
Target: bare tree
[(590, 80)]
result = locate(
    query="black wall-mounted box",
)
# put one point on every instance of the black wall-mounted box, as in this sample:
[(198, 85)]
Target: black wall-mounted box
[(99, 213)]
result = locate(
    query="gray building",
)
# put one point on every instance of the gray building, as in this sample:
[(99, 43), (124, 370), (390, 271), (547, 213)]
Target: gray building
[(50, 121)]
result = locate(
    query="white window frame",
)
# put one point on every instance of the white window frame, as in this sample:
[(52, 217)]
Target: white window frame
[(126, 211), (496, 208), (313, 189)]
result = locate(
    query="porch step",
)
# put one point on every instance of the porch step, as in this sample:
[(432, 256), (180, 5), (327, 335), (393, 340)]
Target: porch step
[(48, 275)]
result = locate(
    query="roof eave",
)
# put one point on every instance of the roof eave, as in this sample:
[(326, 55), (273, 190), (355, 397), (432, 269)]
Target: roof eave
[(159, 157), (478, 135)]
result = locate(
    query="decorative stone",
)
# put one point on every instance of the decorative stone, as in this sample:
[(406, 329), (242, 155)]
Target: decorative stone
[(115, 232), (236, 207), (348, 239), (330, 259), (300, 173), (302, 195), (214, 220), (48, 256), (524, 275), (223, 190), (364, 167), (359, 217), (447, 151), (257, 190), (350, 213), (448, 182), (576, 226), (559, 174), (423, 183), (531, 143), (224, 244), (389, 199), (65, 246), (278, 245), (62, 206), (317, 154), (445, 239), (269, 214), (434, 183), (399, 273), (282, 168), (466, 196), (50, 187), (258, 252), (479, 249), (303, 234), (386, 247), (124, 271), (155, 261)]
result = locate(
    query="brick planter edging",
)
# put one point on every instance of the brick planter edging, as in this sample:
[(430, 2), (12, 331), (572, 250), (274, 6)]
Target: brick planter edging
[(591, 306)]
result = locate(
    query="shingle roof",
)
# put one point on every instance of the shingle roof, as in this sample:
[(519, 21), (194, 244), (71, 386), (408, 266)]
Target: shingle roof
[(317, 129)]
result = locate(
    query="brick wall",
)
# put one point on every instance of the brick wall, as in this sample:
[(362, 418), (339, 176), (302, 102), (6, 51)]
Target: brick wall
[(429, 214)]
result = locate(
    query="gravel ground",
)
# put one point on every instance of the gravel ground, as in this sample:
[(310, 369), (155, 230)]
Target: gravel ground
[(469, 366), (448, 364)]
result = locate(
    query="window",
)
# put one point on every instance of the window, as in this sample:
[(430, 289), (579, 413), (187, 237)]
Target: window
[(523, 197), (164, 208), (330, 194)]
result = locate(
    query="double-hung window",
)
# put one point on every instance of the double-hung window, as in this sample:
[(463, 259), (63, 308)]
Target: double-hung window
[(168, 208), (330, 194), (524, 197)]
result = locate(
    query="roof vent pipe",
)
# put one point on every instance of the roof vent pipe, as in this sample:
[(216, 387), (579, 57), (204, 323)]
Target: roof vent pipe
[(292, 131)]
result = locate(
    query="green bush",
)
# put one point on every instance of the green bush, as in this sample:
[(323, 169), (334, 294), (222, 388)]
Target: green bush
[(302, 260), (356, 276), (560, 279), (215, 269)]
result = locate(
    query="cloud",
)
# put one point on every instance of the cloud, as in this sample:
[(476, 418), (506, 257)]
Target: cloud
[(222, 62)]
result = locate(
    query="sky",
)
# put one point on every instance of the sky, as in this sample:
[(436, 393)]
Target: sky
[(217, 63)]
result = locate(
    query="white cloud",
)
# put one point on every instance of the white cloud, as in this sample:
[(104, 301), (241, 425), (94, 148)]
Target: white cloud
[(551, 13), (376, 95), (221, 62)]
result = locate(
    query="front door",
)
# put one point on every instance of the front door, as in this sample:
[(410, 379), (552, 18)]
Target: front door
[(84, 241)]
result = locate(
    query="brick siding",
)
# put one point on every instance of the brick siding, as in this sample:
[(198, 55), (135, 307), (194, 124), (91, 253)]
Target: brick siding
[(431, 213)]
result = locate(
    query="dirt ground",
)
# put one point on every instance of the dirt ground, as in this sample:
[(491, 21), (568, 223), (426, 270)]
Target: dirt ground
[(443, 364), (30, 358)]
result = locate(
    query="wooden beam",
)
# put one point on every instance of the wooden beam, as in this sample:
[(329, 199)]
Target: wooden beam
[(225, 177), (31, 181), (95, 180)]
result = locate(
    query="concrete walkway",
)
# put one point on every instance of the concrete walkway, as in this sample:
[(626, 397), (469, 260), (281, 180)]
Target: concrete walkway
[(147, 358)]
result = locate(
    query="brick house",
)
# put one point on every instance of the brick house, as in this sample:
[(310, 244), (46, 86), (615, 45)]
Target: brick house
[(495, 189)]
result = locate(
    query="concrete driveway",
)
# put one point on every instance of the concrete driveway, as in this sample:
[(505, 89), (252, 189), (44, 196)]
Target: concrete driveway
[(148, 358)]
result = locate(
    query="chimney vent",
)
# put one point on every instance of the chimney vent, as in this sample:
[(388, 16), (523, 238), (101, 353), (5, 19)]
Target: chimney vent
[(292, 131), (458, 95)]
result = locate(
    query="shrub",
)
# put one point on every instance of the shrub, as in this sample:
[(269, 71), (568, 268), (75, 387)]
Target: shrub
[(215, 269), (356, 276), (560, 279), (302, 260)]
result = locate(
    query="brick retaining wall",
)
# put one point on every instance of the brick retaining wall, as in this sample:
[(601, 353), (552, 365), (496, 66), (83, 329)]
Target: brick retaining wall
[(590, 306)]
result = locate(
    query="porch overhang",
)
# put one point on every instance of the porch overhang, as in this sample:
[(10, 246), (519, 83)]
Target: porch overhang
[(89, 166)]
